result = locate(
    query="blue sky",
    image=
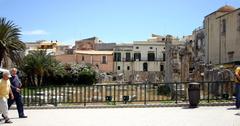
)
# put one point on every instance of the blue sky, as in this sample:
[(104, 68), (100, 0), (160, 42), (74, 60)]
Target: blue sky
[(110, 20)]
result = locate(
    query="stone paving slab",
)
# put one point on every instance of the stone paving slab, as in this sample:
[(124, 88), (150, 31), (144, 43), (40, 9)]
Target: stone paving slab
[(162, 116)]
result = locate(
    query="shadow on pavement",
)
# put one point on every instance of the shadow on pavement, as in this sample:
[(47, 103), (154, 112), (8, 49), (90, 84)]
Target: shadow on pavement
[(238, 114), (234, 108), (187, 107)]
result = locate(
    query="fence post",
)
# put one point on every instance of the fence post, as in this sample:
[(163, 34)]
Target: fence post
[(208, 93), (56, 97), (84, 96), (176, 93), (145, 92), (114, 93), (25, 96)]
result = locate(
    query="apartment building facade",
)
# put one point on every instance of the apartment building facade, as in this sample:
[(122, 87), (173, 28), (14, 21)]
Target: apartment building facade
[(123, 61), (143, 60)]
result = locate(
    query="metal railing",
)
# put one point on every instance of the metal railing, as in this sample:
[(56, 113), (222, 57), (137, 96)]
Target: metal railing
[(144, 93), (138, 60)]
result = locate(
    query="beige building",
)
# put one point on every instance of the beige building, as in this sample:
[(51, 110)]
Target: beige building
[(62, 49), (101, 60), (52, 47), (222, 35), (66, 58), (87, 44), (90, 51)]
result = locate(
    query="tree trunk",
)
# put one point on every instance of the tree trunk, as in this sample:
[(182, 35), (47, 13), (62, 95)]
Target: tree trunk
[(39, 80), (32, 79), (5, 63), (1, 56), (35, 80)]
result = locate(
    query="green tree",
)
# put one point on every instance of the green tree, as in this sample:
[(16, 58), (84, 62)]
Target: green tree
[(39, 64), (10, 44)]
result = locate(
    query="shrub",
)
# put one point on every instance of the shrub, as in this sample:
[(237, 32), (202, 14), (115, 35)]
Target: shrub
[(163, 90), (86, 77)]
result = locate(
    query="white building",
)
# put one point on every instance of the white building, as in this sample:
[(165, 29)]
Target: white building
[(123, 60), (142, 60)]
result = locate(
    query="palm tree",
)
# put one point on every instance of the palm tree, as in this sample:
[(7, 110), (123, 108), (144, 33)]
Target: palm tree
[(34, 65), (38, 64), (10, 44)]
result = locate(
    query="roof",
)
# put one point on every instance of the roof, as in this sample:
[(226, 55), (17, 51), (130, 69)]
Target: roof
[(87, 39), (93, 52), (92, 38), (223, 9), (228, 13), (125, 44), (226, 8)]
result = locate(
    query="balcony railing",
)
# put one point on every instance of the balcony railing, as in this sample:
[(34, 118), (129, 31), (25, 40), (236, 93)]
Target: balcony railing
[(136, 60)]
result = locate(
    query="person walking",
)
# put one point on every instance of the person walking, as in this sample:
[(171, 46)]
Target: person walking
[(5, 90), (16, 88), (237, 86)]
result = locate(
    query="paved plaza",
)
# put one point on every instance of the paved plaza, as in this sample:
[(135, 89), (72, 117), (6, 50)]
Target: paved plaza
[(158, 116)]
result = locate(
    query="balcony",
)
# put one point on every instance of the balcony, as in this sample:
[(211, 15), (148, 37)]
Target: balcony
[(137, 60)]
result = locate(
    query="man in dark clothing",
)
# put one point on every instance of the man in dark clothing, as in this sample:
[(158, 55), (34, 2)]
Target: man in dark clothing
[(15, 86), (237, 86)]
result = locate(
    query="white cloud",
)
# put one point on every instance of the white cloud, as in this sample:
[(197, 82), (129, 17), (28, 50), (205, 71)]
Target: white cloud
[(35, 32)]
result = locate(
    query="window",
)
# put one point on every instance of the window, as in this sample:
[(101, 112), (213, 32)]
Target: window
[(128, 67), (104, 59), (137, 56), (164, 56), (117, 56), (199, 43), (119, 68), (82, 58), (150, 47), (137, 47), (161, 68), (145, 67), (151, 56), (128, 56), (230, 56), (223, 29)]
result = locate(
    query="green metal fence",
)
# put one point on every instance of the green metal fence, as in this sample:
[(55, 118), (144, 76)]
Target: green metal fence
[(113, 94)]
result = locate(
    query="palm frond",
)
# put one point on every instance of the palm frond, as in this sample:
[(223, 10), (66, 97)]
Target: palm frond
[(10, 44)]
